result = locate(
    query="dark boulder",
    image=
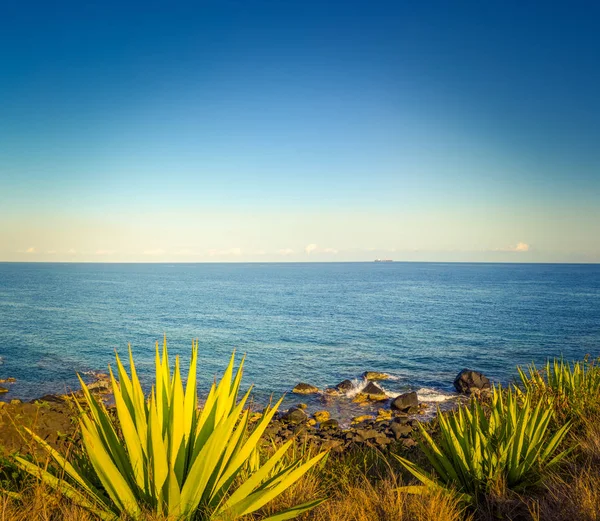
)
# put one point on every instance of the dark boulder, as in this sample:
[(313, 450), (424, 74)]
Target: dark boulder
[(371, 393), (405, 401), (294, 416), (330, 425), (468, 381), (345, 386)]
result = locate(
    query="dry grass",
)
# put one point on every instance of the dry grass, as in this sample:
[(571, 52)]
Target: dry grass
[(384, 502)]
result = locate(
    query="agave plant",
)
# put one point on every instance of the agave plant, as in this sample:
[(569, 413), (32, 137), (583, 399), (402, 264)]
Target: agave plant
[(162, 454), (571, 387), (512, 444)]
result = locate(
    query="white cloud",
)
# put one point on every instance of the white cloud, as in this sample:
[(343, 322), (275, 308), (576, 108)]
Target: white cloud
[(157, 251), (310, 248), (220, 253), (333, 251), (286, 251), (31, 249), (72, 251), (521, 246)]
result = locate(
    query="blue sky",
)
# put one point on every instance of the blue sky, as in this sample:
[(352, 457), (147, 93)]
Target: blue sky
[(226, 130)]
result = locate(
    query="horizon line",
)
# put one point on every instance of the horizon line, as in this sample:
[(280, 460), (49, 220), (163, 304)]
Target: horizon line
[(303, 262)]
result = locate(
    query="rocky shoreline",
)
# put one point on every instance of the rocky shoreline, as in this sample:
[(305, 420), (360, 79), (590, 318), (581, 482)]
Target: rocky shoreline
[(394, 424)]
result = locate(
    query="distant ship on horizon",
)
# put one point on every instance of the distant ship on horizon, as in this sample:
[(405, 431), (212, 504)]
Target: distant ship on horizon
[(383, 260)]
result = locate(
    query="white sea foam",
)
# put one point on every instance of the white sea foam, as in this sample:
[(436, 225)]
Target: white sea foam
[(358, 384), (426, 394)]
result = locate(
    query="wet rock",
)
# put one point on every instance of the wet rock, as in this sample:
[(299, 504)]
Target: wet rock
[(302, 406), (15, 402), (3, 390), (374, 375), (345, 386), (101, 383), (468, 381), (9, 380), (294, 416), (383, 415), (322, 416), (331, 391), (405, 401), (361, 418), (303, 388), (371, 393)]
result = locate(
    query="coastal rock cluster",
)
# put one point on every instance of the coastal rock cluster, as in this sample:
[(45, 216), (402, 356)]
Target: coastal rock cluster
[(394, 422), (322, 431)]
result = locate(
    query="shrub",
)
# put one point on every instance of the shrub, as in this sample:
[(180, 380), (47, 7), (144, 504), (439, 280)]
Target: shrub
[(510, 446), (161, 454)]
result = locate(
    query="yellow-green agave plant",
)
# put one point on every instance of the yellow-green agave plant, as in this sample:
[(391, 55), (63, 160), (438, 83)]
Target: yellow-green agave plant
[(162, 454)]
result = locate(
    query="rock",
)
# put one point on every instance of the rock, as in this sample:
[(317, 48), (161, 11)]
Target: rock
[(330, 425), (301, 406), (255, 416), (382, 440), (400, 431), (468, 380), (405, 401), (15, 402), (3, 390), (372, 392), (330, 391), (362, 418), (321, 416), (374, 375), (303, 388), (383, 415), (366, 434), (409, 443), (294, 416), (344, 386), (331, 444), (9, 380), (311, 422)]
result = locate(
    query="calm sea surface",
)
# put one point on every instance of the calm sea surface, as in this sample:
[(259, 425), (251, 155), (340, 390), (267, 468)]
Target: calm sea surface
[(318, 323)]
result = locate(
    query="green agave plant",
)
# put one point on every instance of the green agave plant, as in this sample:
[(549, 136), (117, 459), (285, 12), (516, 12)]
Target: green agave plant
[(164, 455), (512, 444), (576, 383)]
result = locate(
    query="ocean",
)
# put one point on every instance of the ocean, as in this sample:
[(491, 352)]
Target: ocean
[(319, 323)]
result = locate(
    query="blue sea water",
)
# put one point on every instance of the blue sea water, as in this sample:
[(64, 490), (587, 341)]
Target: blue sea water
[(316, 323)]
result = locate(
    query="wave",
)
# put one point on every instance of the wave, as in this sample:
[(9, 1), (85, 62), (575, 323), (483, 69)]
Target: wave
[(427, 394)]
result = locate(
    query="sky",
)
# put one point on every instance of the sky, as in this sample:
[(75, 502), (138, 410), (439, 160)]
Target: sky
[(237, 131)]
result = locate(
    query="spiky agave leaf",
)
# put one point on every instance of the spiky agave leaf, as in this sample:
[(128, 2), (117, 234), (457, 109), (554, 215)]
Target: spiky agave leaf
[(473, 450), (163, 455)]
